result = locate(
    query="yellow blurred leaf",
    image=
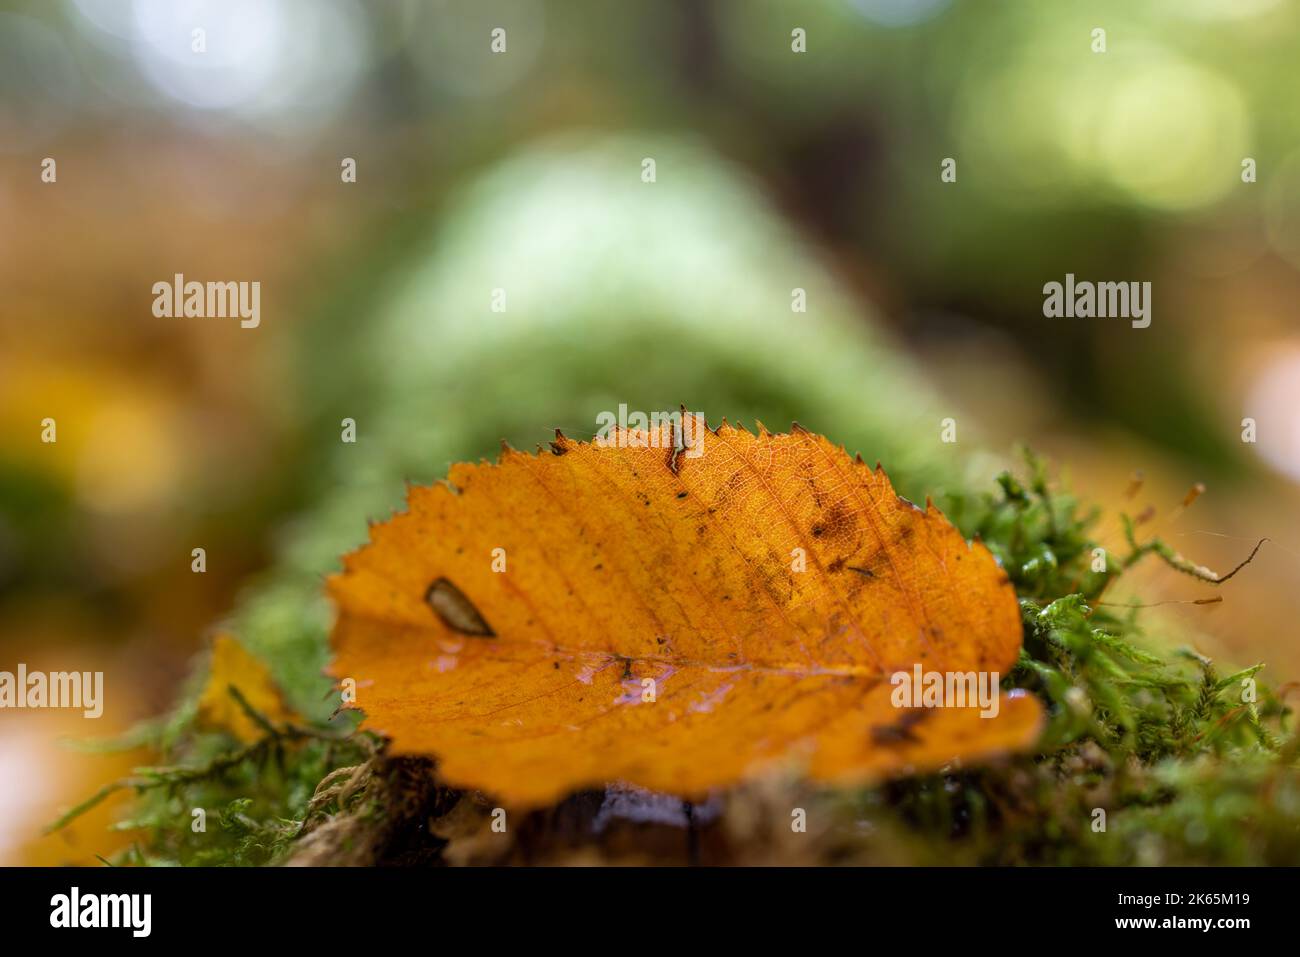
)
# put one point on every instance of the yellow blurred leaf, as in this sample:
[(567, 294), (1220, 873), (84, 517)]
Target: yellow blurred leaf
[(232, 666)]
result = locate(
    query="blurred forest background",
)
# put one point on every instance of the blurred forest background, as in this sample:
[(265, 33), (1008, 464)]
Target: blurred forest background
[(522, 171)]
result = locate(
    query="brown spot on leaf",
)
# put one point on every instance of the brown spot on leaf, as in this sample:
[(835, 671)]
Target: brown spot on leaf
[(900, 731), (456, 611)]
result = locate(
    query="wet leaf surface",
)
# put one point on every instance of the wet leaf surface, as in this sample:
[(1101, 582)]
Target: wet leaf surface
[(677, 622)]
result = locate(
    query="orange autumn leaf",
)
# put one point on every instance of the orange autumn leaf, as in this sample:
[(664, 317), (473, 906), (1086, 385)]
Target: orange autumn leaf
[(232, 666), (623, 613)]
